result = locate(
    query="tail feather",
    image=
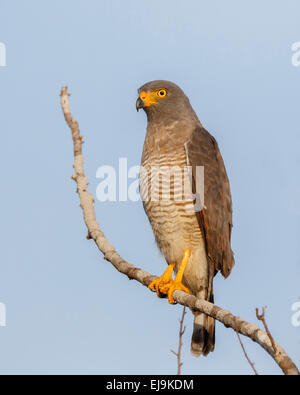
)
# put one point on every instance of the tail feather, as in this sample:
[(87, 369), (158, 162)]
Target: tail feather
[(203, 338)]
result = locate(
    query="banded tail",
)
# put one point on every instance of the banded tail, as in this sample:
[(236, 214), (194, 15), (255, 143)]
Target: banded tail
[(203, 338)]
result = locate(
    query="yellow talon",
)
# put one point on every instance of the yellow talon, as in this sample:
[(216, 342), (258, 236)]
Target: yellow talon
[(174, 287), (177, 283), (162, 285)]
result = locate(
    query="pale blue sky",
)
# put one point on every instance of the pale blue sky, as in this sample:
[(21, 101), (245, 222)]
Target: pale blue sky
[(69, 311)]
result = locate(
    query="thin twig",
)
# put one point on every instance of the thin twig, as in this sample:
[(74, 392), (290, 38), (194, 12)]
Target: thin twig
[(246, 355), (261, 317), (181, 332), (87, 204)]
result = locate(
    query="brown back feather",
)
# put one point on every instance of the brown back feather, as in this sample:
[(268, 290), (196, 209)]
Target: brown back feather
[(216, 217)]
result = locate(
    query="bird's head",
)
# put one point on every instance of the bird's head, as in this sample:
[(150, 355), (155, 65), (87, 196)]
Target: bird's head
[(161, 99)]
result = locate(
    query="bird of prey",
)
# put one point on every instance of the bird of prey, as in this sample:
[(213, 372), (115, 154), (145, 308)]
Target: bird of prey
[(194, 242)]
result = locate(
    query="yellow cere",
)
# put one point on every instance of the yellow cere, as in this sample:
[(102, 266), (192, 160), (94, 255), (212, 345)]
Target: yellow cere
[(150, 98)]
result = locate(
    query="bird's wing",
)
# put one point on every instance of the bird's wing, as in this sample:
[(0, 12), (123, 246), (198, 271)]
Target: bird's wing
[(215, 219)]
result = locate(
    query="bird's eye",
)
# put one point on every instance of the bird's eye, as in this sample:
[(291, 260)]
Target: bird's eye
[(161, 93)]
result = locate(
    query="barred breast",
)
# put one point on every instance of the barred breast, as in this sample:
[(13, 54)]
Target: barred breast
[(166, 193)]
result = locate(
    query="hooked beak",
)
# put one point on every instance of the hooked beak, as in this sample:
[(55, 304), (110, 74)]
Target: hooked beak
[(139, 104)]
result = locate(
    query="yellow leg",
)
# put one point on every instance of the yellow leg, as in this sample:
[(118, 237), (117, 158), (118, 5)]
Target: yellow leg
[(162, 285), (177, 283)]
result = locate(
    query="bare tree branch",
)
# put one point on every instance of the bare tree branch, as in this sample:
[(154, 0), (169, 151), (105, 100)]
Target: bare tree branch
[(226, 317), (246, 355), (261, 317), (181, 332)]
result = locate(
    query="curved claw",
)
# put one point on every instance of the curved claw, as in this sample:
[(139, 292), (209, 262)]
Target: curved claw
[(174, 287), (162, 285)]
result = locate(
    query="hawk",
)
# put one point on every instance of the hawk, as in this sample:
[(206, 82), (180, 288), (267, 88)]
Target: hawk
[(194, 242)]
